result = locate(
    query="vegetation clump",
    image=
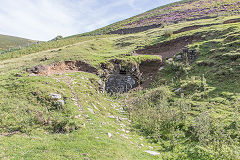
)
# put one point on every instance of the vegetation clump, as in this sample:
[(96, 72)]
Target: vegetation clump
[(168, 32)]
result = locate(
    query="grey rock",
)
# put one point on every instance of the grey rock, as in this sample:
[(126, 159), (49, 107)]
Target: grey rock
[(32, 75), (120, 83), (109, 135), (55, 96), (170, 59), (141, 145), (161, 68), (60, 103), (178, 90), (124, 136), (100, 82), (111, 117), (123, 119), (152, 153), (179, 57), (95, 107), (91, 110)]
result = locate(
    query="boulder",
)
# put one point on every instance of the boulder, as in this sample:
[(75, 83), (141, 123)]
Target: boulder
[(57, 99), (170, 59), (152, 153), (55, 96), (109, 135), (178, 90), (179, 57), (60, 103)]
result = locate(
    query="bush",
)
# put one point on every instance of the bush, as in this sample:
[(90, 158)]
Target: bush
[(168, 32), (57, 38), (154, 115), (176, 67), (174, 124)]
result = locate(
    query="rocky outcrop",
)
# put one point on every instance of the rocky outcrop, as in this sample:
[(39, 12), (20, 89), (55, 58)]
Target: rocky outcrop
[(189, 55), (120, 76), (120, 83)]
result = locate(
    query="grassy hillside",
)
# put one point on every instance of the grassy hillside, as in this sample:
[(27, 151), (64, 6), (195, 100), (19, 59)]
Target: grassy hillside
[(186, 10), (187, 108), (13, 42)]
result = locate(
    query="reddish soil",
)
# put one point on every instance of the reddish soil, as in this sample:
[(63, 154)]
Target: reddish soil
[(232, 21), (170, 48), (145, 28), (135, 29), (189, 28), (63, 67), (149, 70)]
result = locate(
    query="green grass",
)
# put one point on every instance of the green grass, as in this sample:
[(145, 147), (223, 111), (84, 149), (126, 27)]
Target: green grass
[(35, 135), (78, 145), (13, 42), (32, 126), (183, 6), (211, 100)]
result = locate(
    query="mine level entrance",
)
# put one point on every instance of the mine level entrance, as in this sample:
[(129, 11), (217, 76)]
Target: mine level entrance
[(120, 83)]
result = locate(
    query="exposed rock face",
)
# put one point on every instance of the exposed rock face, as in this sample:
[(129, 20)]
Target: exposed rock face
[(120, 76), (120, 83), (189, 55)]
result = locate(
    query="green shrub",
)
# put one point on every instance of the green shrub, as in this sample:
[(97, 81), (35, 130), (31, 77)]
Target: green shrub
[(168, 32), (169, 120), (176, 67), (155, 116)]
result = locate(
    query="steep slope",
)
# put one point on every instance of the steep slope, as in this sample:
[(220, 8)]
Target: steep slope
[(53, 104), (187, 10), (13, 42), (85, 122)]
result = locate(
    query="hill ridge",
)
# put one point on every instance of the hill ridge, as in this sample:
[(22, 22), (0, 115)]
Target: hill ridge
[(13, 42)]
